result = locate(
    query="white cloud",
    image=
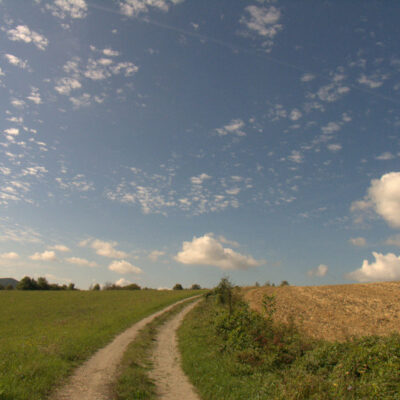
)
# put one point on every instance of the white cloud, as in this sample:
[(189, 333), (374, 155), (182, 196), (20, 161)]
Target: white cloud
[(233, 128), (124, 267), (105, 249), (12, 131), (24, 34), (385, 156), (17, 103), (263, 21), (45, 256), (81, 261), (385, 268), (60, 247), (78, 182), (320, 271), (110, 52), (296, 157), (198, 180), (295, 114), (9, 256), (307, 77), (384, 197), (35, 96), (207, 250), (123, 282), (68, 8), (66, 85), (132, 8), (81, 101), (330, 128), (332, 92), (14, 60), (372, 81), (358, 241), (334, 147), (154, 255)]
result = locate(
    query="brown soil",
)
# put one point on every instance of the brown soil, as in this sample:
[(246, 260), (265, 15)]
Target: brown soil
[(335, 312), (170, 380), (94, 379)]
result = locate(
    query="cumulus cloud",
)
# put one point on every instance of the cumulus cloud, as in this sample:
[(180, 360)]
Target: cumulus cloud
[(198, 180), (23, 34), (385, 268), (295, 114), (373, 81), (124, 267), (110, 52), (334, 147), (14, 60), (133, 8), (123, 282), (233, 128), (358, 241), (207, 250), (154, 255), (320, 271), (68, 8), (383, 197), (60, 247), (35, 96), (81, 261), (385, 156), (105, 249), (66, 85), (45, 256), (263, 21), (9, 256)]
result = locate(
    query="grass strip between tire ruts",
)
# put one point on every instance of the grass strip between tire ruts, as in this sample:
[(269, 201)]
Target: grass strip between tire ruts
[(134, 382)]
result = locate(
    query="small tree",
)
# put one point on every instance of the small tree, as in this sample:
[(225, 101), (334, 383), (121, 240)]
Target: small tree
[(284, 283), (195, 286), (132, 286), (96, 287), (177, 286), (71, 286), (43, 284), (27, 283)]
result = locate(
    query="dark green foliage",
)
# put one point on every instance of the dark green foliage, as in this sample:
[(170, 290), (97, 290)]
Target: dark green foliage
[(195, 286), (2, 287), (9, 287), (284, 283), (132, 286), (96, 287), (113, 286), (177, 286), (28, 283), (43, 284)]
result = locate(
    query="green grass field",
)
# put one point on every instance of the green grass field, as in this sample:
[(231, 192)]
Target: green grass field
[(44, 335)]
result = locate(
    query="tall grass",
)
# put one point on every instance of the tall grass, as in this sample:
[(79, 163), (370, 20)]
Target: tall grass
[(44, 335), (241, 355)]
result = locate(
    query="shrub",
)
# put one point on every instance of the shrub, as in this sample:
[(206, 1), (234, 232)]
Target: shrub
[(195, 286), (177, 286)]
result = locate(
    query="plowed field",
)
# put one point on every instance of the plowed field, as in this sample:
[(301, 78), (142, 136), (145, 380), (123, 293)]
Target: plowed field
[(335, 312)]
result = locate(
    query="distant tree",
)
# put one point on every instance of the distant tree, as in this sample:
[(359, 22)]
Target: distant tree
[(43, 284), (96, 287), (284, 283), (132, 286), (9, 287), (2, 287), (195, 286), (268, 283), (257, 284), (27, 283), (177, 286), (71, 286)]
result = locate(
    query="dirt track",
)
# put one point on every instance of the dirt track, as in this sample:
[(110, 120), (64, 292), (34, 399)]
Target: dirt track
[(171, 382), (93, 380)]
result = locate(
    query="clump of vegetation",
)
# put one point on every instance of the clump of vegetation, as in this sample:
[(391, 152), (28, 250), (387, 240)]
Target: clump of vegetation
[(231, 351), (114, 286), (28, 283), (177, 286)]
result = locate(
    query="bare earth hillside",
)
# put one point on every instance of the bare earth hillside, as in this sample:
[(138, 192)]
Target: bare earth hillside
[(335, 312)]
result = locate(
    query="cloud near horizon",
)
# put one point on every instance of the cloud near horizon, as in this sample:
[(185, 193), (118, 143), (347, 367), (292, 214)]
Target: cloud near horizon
[(320, 271), (207, 250), (383, 197), (124, 267), (385, 268)]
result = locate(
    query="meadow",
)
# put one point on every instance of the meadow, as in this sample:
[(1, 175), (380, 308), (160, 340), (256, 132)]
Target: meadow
[(44, 334)]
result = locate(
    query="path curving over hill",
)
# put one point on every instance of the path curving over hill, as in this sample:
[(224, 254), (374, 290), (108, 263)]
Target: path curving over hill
[(170, 380), (94, 379)]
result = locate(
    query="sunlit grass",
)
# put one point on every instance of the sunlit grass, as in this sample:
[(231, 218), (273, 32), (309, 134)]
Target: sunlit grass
[(44, 335)]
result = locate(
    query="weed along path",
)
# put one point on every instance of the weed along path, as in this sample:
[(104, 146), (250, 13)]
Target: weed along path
[(95, 378), (170, 380)]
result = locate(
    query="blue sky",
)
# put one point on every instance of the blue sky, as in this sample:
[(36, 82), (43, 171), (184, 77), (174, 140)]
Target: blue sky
[(165, 141)]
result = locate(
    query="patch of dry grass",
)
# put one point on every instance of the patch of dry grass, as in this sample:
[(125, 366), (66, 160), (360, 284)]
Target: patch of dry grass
[(335, 312)]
